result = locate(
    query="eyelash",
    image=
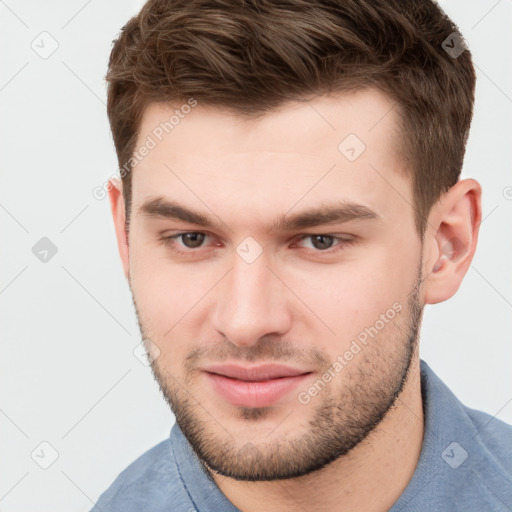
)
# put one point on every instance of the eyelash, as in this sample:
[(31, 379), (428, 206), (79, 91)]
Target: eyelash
[(169, 241)]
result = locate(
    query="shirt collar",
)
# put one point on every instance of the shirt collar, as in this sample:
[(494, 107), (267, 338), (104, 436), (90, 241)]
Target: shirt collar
[(202, 489)]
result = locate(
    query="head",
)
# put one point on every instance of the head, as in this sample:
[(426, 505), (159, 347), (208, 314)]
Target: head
[(290, 194)]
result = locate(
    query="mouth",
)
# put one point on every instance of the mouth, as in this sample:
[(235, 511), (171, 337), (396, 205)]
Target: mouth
[(259, 386)]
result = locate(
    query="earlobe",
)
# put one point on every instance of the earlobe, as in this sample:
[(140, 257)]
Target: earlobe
[(117, 206), (457, 216)]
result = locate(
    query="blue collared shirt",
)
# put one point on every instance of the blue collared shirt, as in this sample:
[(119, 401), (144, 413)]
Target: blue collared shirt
[(465, 465)]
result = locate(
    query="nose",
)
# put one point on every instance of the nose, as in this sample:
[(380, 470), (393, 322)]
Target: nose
[(251, 303)]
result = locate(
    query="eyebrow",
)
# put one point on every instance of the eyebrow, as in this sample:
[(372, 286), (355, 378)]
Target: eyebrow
[(338, 213), (165, 209)]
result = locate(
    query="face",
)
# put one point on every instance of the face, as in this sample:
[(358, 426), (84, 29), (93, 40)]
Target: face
[(284, 240)]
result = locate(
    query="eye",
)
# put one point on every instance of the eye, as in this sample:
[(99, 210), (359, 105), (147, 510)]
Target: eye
[(190, 240), (322, 242)]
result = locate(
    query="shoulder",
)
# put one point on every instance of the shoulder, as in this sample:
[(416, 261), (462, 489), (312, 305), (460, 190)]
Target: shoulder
[(466, 460), (485, 482), (151, 482), (494, 438), (487, 436)]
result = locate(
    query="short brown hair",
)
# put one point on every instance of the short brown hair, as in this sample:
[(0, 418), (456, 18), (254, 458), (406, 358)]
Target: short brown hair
[(251, 56)]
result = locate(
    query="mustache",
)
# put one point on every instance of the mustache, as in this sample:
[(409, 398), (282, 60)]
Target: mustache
[(267, 349)]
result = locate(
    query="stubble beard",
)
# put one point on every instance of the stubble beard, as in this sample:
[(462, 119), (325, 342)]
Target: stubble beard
[(345, 412)]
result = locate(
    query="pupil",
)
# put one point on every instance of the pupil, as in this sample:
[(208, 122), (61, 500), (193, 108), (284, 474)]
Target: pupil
[(193, 239), (322, 241)]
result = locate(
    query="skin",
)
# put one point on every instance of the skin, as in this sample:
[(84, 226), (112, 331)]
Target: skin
[(355, 445)]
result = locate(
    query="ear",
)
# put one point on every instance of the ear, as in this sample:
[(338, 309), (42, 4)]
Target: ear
[(450, 240), (117, 206)]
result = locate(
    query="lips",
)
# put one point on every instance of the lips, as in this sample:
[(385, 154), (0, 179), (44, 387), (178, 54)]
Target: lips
[(257, 386), (255, 373)]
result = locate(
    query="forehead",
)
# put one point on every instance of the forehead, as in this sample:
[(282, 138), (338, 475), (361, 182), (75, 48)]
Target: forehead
[(342, 146), (369, 114)]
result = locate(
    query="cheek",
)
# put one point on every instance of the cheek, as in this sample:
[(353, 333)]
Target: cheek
[(169, 295), (352, 295), (165, 302)]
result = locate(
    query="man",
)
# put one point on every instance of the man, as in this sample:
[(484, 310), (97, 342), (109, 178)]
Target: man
[(290, 201)]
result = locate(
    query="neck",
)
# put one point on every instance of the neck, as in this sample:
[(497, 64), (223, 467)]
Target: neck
[(371, 477)]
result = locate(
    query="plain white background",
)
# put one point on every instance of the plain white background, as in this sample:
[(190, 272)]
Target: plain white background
[(68, 375)]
